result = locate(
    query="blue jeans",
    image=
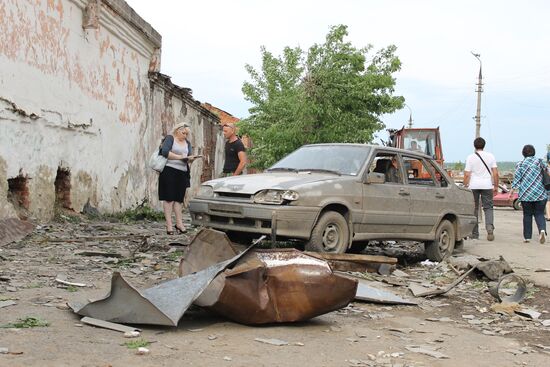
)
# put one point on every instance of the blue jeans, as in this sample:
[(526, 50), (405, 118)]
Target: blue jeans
[(533, 209)]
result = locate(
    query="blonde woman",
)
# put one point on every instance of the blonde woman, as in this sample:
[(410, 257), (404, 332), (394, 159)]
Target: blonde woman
[(174, 178)]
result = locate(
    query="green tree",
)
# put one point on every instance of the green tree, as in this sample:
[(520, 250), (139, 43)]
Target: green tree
[(333, 93), (459, 166)]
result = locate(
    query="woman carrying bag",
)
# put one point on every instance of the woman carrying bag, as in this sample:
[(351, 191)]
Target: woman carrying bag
[(174, 178), (528, 179)]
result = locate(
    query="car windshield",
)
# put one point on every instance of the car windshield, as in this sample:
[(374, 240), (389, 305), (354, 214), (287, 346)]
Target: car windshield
[(420, 141), (339, 159)]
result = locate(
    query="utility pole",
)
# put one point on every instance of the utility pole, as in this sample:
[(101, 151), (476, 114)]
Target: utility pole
[(479, 90)]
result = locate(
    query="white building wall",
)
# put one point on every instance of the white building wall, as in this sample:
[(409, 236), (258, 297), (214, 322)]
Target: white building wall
[(75, 98)]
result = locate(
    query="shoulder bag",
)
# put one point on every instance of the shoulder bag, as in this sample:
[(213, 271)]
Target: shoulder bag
[(545, 177), (157, 161)]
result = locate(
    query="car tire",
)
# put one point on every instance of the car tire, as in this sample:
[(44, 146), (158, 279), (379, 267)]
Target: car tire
[(517, 204), (330, 234), (444, 243)]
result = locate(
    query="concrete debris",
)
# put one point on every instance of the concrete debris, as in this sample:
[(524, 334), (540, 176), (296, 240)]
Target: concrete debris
[(132, 334), (399, 273), (142, 351), (13, 229), (529, 313), (4, 350), (276, 342), (494, 269), (367, 291), (7, 303), (546, 322), (427, 351)]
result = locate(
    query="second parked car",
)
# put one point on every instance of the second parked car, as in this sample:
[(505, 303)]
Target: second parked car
[(331, 196)]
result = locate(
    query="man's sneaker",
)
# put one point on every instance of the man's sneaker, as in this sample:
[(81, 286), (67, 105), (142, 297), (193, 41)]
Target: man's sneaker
[(542, 237), (490, 236), (526, 240)]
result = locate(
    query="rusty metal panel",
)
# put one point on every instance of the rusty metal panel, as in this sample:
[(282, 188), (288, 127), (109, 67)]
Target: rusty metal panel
[(285, 285)]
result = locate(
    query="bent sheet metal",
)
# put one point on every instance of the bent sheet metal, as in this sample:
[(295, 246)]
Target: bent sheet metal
[(264, 286), (163, 304), (267, 286)]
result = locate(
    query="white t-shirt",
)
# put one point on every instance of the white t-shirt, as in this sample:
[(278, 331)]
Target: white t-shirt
[(480, 178)]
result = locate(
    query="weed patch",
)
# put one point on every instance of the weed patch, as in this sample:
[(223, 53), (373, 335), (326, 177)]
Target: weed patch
[(135, 344), (27, 323)]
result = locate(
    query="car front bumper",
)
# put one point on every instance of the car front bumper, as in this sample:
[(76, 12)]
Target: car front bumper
[(280, 220)]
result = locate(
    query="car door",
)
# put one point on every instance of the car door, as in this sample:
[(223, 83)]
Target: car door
[(386, 206), (426, 197)]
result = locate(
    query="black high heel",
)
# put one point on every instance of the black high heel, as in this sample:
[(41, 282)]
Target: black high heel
[(180, 231)]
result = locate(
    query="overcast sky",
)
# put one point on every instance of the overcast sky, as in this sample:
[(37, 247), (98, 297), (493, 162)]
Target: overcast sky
[(205, 45)]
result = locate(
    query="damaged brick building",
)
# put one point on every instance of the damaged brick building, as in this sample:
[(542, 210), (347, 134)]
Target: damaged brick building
[(83, 105)]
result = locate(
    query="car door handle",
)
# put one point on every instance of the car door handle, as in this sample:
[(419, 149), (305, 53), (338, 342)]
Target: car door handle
[(404, 192), (439, 196)]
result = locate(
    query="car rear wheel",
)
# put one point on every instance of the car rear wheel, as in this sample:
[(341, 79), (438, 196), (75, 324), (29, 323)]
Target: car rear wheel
[(444, 243), (517, 204), (330, 234)]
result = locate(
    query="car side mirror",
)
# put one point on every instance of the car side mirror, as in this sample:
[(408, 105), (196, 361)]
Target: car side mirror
[(375, 177)]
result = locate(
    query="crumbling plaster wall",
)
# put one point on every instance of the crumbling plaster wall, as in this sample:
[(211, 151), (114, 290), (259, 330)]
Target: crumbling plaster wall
[(74, 98)]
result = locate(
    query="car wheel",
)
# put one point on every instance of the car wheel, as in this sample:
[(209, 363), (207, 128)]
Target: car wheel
[(330, 234), (444, 242), (517, 204)]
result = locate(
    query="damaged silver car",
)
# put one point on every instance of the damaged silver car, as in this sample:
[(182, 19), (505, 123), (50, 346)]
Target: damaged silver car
[(335, 196)]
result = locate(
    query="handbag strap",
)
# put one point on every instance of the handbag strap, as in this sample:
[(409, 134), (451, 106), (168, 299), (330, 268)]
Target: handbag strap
[(485, 164)]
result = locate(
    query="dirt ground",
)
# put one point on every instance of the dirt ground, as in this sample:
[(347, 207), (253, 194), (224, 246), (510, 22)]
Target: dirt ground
[(459, 325)]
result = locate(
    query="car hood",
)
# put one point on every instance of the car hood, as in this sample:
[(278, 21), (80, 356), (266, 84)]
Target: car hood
[(251, 184)]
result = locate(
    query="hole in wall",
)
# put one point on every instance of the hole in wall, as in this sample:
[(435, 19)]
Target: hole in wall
[(18, 195), (63, 188)]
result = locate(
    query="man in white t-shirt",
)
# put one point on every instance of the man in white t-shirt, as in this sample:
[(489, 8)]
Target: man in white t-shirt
[(481, 176)]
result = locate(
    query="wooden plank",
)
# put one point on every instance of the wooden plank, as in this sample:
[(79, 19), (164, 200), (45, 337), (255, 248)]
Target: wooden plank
[(107, 324), (363, 259)]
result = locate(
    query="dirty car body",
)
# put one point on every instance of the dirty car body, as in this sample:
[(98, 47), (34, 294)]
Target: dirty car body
[(334, 195)]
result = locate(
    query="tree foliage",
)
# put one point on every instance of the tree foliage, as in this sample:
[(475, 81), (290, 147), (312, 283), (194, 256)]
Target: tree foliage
[(332, 93)]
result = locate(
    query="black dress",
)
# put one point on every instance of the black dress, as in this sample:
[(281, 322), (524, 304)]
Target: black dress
[(173, 182)]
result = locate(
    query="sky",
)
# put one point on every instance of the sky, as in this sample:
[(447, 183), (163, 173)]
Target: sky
[(206, 45)]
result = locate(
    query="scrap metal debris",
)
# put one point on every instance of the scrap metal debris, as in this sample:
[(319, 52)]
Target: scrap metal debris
[(509, 282), (163, 304), (267, 286), (264, 286)]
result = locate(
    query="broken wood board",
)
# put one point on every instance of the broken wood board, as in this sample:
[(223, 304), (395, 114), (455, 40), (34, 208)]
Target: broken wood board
[(107, 325), (363, 259)]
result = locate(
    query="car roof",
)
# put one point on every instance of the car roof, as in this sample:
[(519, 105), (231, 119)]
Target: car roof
[(374, 146)]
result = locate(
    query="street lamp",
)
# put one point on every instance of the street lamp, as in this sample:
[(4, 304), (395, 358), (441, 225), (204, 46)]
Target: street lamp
[(479, 90)]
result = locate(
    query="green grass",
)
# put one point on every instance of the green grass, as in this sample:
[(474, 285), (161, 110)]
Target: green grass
[(138, 213), (135, 344), (72, 288), (176, 255), (27, 322)]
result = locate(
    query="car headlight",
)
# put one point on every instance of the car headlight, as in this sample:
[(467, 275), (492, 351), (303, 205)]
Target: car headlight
[(206, 191), (275, 196)]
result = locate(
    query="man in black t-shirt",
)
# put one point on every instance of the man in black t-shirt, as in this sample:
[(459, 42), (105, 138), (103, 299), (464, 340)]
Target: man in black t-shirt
[(235, 152)]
